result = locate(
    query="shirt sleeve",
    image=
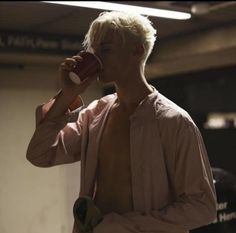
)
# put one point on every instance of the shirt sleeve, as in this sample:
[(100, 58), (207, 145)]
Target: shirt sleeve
[(56, 141), (195, 203)]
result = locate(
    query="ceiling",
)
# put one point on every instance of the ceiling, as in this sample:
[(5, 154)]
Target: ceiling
[(38, 17)]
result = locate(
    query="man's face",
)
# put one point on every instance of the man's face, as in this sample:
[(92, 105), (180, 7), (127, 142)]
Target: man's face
[(115, 55)]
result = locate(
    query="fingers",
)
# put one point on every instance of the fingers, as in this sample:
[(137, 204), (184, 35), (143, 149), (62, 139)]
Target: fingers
[(81, 53), (69, 63), (77, 58)]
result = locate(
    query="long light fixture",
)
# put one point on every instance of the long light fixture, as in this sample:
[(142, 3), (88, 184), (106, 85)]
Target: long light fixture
[(127, 8)]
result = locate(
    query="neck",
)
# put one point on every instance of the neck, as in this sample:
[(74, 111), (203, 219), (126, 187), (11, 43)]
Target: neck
[(132, 93)]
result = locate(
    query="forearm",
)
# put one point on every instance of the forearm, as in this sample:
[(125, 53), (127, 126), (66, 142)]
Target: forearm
[(54, 140), (62, 103), (187, 213), (178, 217), (68, 97)]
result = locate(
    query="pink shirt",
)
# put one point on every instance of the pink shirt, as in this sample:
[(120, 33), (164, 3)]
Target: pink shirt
[(172, 182)]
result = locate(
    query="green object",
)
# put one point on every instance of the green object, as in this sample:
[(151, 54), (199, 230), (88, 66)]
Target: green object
[(86, 214)]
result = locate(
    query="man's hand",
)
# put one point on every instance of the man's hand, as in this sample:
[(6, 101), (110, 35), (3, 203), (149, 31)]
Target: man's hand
[(68, 97), (68, 86)]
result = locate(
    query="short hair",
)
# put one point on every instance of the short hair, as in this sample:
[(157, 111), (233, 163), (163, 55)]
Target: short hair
[(126, 24)]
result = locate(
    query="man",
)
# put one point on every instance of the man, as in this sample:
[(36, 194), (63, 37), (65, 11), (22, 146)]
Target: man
[(143, 161)]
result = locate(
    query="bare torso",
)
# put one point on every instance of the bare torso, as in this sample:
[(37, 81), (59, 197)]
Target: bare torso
[(114, 192)]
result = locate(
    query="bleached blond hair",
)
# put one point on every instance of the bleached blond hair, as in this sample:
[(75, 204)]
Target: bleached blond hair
[(126, 24)]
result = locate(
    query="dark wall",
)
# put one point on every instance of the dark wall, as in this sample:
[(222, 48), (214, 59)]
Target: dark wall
[(202, 92)]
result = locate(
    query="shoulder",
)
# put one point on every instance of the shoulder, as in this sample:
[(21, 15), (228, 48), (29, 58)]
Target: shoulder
[(170, 115)]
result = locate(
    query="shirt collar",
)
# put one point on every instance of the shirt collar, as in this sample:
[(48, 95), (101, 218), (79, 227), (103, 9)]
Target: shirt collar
[(145, 107)]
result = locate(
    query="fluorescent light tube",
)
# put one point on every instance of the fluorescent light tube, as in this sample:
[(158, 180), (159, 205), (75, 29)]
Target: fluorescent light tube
[(127, 8)]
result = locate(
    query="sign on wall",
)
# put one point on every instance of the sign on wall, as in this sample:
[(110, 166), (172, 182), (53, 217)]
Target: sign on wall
[(36, 43)]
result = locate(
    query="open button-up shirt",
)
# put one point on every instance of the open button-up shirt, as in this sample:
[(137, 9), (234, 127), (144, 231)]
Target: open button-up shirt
[(172, 182)]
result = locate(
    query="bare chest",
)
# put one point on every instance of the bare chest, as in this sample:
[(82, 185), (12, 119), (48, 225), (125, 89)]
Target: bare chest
[(114, 189), (115, 143)]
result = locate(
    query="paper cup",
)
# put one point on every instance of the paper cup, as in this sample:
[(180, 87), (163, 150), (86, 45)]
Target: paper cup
[(89, 66)]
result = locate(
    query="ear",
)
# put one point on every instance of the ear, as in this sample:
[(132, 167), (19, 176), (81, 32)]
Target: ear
[(138, 49)]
